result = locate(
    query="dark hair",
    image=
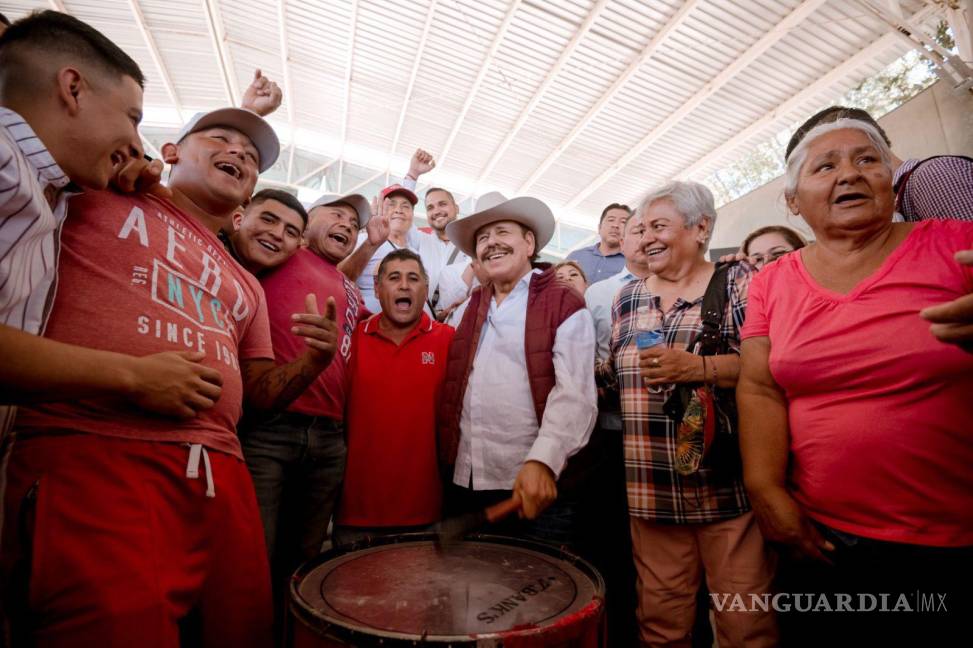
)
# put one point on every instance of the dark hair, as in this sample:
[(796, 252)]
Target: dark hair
[(448, 193), (795, 240), (51, 33), (828, 115), (604, 212), (287, 199), (401, 254), (4, 20)]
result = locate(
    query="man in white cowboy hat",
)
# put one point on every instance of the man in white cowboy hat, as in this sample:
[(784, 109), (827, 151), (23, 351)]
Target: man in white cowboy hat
[(519, 394), (145, 536), (297, 457)]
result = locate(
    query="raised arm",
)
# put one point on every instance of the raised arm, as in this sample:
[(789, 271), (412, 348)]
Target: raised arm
[(263, 96), (377, 229), (422, 162), (764, 446)]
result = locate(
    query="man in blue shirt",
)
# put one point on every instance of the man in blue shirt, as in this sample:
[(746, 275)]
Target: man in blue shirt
[(605, 259)]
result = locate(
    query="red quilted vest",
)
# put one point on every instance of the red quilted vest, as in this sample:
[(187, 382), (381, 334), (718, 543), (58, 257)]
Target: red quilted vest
[(549, 303)]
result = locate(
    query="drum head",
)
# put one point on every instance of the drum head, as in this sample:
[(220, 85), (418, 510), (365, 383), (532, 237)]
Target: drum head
[(408, 588)]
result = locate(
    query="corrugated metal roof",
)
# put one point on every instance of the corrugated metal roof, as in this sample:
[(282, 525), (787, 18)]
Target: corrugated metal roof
[(578, 102)]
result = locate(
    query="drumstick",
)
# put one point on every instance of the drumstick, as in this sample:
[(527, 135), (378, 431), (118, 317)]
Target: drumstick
[(454, 529)]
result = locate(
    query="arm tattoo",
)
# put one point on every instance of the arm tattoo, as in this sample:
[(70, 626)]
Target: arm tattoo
[(274, 388)]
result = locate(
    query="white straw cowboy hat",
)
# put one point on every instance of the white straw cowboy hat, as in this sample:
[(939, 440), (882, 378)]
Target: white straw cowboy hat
[(492, 207)]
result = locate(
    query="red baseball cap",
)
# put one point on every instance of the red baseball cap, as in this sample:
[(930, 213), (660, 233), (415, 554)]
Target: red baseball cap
[(399, 189)]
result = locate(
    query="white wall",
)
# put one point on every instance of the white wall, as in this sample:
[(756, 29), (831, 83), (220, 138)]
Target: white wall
[(937, 121)]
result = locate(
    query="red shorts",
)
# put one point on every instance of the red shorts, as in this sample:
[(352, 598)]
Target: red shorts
[(106, 542)]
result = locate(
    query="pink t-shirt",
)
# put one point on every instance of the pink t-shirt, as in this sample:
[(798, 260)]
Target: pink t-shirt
[(880, 412), (137, 275), (286, 288)]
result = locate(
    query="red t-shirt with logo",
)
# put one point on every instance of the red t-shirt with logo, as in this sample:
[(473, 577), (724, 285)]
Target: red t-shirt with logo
[(287, 286), (392, 475), (137, 275)]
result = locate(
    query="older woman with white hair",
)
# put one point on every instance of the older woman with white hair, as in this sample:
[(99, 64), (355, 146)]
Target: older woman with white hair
[(856, 422), (689, 514)]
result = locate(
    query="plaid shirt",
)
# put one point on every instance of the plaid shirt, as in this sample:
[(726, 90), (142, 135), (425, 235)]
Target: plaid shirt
[(940, 188), (655, 490)]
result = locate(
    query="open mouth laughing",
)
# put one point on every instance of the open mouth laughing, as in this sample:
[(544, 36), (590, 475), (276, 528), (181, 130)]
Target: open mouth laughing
[(339, 237), (230, 169)]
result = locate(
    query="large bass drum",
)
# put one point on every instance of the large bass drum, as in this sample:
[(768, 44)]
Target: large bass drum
[(483, 591)]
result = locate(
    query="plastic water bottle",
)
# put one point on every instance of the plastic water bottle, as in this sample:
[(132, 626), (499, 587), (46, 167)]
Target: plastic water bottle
[(646, 340)]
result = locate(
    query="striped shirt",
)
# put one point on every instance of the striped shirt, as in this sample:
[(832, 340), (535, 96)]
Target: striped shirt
[(656, 491), (33, 202)]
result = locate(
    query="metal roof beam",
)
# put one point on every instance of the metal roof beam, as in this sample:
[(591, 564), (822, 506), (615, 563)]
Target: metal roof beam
[(648, 52), (771, 38), (960, 20), (214, 24), (552, 75), (321, 169), (361, 184), (480, 77), (948, 65), (286, 68), (836, 74), (349, 62), (156, 56), (412, 77)]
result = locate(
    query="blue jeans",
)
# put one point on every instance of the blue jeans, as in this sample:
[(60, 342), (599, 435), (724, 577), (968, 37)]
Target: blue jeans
[(297, 463)]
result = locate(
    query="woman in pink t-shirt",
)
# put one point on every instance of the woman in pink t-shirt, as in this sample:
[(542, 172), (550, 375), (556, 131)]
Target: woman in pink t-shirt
[(856, 423)]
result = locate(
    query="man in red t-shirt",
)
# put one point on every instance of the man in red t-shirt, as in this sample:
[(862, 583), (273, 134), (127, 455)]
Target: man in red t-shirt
[(297, 457), (392, 482), (116, 531)]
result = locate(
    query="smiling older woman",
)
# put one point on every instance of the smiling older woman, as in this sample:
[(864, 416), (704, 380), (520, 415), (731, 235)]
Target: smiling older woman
[(684, 522), (855, 421)]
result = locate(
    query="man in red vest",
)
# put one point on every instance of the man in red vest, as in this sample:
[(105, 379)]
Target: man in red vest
[(519, 395)]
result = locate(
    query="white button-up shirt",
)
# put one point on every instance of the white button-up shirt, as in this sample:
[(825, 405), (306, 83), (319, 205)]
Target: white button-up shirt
[(434, 252), (498, 425), (600, 297)]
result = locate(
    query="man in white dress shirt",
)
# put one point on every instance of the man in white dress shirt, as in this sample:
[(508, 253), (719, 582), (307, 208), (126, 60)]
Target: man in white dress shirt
[(435, 248), (519, 394), (600, 298)]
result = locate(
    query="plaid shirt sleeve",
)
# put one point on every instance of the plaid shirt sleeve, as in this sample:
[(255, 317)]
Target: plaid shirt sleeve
[(939, 188)]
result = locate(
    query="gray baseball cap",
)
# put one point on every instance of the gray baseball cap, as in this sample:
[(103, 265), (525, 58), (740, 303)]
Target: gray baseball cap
[(355, 201), (249, 123)]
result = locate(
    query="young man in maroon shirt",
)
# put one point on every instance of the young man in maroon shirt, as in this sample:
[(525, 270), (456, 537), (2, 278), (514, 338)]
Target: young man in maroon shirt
[(392, 482), (297, 457)]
